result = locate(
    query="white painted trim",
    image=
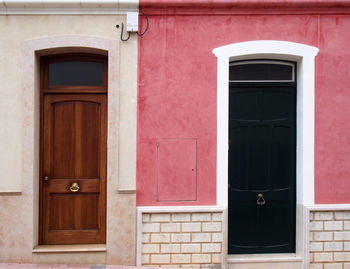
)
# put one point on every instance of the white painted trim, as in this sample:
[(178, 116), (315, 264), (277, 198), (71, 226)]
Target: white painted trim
[(139, 236), (306, 238), (67, 7), (224, 250), (179, 209), (329, 207), (304, 56), (263, 258)]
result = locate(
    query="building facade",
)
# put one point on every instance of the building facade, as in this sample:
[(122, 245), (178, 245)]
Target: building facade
[(92, 128), (240, 166), (218, 138)]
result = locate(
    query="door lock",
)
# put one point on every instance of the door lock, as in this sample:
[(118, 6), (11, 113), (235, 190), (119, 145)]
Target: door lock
[(261, 201), (46, 178)]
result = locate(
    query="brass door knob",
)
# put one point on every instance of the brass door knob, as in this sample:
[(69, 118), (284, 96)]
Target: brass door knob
[(74, 187), (261, 201)]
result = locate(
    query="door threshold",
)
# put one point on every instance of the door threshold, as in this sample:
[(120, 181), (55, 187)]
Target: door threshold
[(251, 258), (70, 248)]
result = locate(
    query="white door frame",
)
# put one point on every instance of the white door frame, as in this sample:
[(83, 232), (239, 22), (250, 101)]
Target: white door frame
[(304, 56)]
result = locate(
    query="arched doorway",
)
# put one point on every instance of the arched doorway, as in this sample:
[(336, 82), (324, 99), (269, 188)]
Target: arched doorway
[(73, 155)]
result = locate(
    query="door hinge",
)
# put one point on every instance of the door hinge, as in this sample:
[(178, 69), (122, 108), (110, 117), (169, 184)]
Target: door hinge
[(157, 143)]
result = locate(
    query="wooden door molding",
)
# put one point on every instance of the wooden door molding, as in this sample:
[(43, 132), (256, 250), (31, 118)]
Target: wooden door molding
[(72, 57)]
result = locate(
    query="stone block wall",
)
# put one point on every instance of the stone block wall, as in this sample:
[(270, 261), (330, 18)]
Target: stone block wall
[(182, 239), (330, 240)]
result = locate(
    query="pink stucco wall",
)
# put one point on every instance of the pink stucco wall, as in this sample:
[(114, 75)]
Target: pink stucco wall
[(177, 89)]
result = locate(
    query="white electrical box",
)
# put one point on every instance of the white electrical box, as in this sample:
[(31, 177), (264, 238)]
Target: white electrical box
[(132, 21)]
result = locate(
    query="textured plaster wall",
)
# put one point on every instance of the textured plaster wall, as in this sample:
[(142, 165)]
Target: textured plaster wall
[(19, 224), (332, 111), (177, 92), (15, 30)]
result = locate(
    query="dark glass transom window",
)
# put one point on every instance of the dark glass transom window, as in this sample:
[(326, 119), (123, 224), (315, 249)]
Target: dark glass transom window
[(76, 73), (262, 71)]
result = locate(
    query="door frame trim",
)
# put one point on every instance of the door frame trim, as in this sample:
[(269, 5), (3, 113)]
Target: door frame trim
[(304, 56), (32, 51)]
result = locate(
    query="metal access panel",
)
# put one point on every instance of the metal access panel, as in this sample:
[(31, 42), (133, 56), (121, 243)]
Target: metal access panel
[(177, 169)]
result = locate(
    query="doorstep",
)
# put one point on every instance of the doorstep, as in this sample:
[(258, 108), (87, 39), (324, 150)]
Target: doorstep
[(70, 254), (70, 248)]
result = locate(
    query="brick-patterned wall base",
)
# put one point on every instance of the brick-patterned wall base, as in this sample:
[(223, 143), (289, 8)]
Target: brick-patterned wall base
[(330, 240), (182, 239)]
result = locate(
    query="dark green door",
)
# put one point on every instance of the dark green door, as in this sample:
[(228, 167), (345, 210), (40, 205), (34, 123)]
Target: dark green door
[(262, 164)]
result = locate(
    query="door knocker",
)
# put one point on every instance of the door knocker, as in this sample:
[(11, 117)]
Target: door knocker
[(74, 187), (261, 201)]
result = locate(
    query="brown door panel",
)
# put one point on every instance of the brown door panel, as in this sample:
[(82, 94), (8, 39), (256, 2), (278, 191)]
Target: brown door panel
[(66, 237), (73, 211), (74, 134), (63, 185)]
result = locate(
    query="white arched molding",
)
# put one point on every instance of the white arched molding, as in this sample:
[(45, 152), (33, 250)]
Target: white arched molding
[(304, 56)]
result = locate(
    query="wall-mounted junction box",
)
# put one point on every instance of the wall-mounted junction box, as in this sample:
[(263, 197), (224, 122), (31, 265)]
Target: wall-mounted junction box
[(132, 21)]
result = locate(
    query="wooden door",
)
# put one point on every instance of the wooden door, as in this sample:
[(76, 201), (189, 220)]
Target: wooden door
[(262, 156), (73, 151), (74, 134)]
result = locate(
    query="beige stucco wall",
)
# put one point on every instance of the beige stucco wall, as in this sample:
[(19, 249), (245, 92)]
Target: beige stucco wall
[(18, 196)]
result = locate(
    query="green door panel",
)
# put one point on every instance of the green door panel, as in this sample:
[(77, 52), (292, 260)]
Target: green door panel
[(262, 160)]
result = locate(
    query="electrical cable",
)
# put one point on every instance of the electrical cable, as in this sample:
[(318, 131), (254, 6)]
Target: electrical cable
[(122, 30), (146, 26), (121, 34)]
